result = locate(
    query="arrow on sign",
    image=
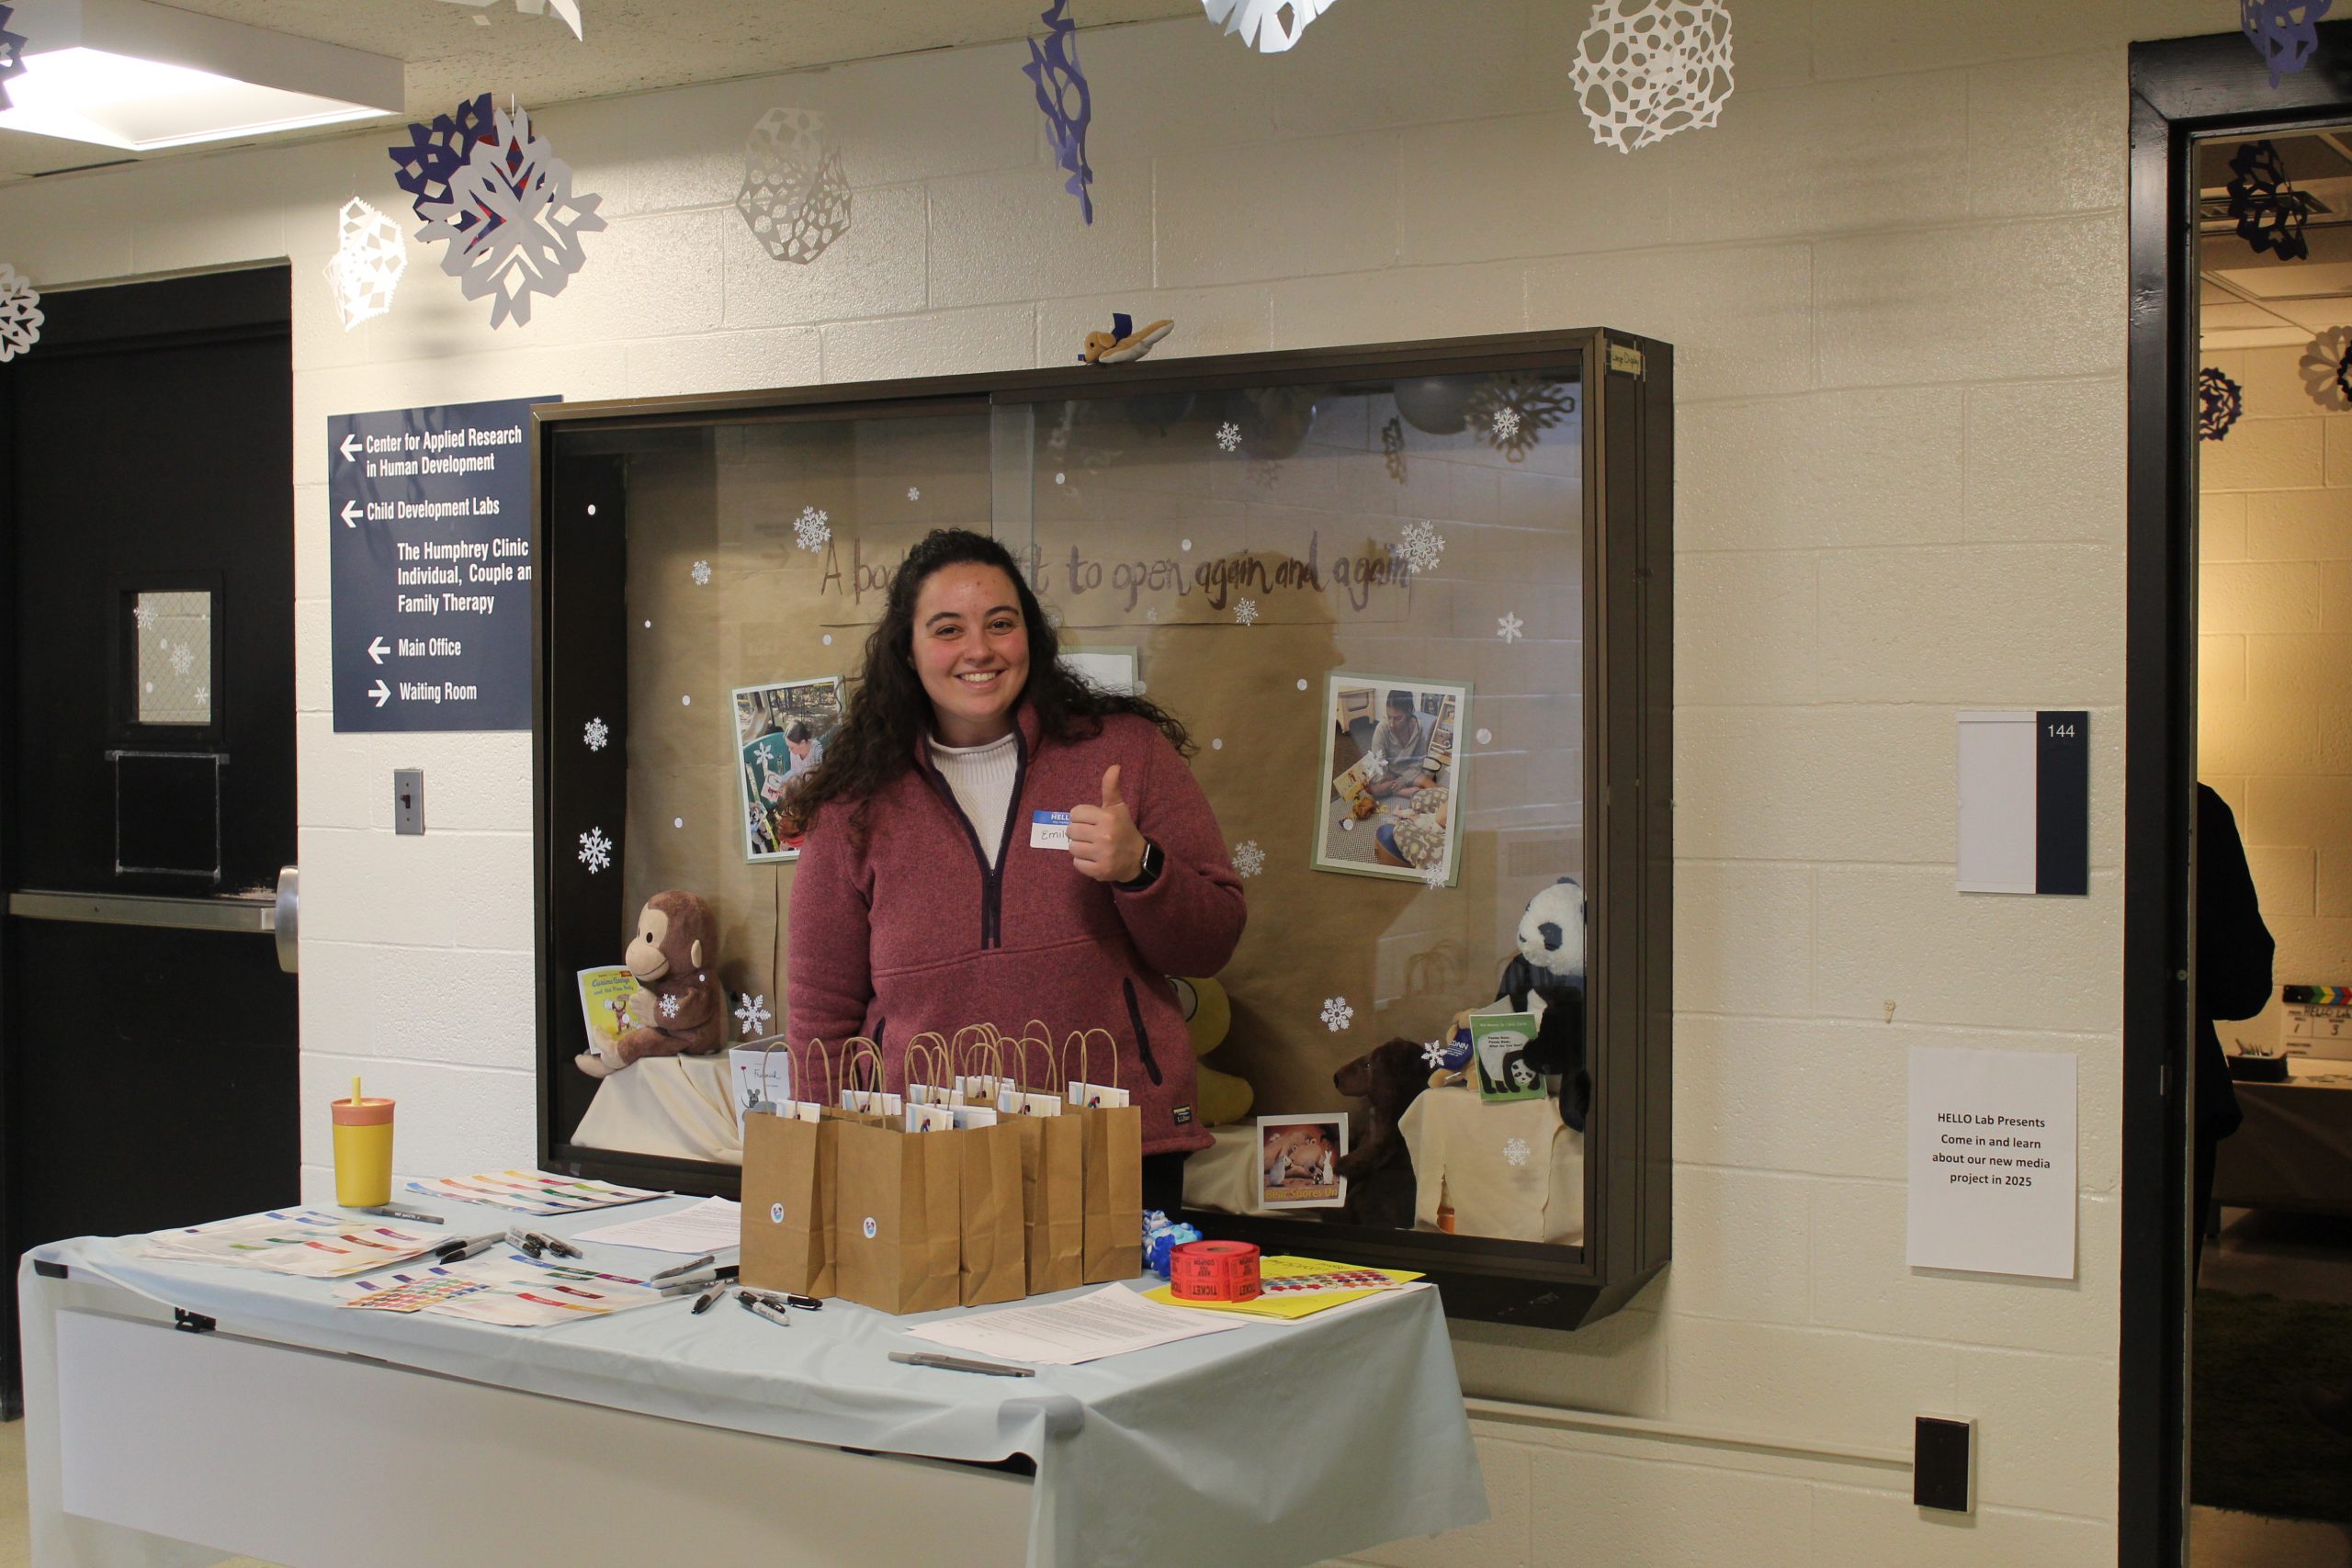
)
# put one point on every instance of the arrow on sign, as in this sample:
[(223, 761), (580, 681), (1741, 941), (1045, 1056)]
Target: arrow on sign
[(349, 449), (376, 650), (351, 514), (380, 692)]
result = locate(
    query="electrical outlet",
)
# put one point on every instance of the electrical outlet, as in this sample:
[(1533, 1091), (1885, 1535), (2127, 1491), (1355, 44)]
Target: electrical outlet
[(408, 800), (1943, 1467)]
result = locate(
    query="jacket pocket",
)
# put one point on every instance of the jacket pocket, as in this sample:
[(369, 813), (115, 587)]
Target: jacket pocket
[(1143, 1035)]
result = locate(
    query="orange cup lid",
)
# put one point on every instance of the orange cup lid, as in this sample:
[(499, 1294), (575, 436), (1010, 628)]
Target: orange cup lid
[(368, 1113)]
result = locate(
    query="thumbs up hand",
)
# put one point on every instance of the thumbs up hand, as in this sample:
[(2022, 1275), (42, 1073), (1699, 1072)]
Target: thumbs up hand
[(1104, 842)]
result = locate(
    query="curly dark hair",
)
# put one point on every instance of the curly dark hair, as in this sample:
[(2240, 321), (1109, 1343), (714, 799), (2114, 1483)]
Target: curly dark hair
[(887, 710)]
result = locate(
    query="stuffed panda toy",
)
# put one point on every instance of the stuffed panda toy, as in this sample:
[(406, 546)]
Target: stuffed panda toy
[(1547, 978)]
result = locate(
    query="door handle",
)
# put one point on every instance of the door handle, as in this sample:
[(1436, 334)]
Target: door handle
[(140, 909), (287, 926)]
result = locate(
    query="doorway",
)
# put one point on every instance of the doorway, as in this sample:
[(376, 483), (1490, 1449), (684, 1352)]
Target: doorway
[(148, 1062)]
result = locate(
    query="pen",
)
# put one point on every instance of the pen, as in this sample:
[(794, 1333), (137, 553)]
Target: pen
[(785, 1298), (958, 1364), (394, 1212), (704, 1261), (703, 1302), (759, 1308), (458, 1251)]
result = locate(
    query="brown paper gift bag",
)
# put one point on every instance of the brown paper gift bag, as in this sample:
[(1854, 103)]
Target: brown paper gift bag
[(1113, 1174), (896, 1219), (1053, 1181), (995, 1248), (788, 1175)]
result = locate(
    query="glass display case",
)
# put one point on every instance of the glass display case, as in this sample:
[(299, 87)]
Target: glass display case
[(1413, 604)]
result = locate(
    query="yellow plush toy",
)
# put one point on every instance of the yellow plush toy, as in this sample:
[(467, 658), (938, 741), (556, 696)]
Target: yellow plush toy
[(1224, 1098)]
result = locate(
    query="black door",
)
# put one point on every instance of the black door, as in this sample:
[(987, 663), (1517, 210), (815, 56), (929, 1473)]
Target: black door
[(147, 1031)]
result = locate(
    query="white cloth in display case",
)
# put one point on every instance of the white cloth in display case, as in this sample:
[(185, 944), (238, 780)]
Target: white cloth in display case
[(1510, 1168), (671, 1107)]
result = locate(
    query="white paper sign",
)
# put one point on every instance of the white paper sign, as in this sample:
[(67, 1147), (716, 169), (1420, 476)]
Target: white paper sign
[(1993, 1176)]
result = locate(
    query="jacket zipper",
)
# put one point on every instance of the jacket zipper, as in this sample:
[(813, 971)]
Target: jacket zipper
[(992, 876), (1143, 1035)]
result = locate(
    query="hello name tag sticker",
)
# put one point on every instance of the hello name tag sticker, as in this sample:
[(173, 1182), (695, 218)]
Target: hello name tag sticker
[(1049, 830)]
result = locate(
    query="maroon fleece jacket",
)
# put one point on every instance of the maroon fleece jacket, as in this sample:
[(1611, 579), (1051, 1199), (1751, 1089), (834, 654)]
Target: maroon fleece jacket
[(913, 932)]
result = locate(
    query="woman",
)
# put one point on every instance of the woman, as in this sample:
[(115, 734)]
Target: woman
[(933, 889)]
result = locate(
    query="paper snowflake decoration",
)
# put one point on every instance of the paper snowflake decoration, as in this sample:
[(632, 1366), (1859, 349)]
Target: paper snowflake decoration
[(701, 574), (1516, 409), (145, 615), (1516, 1150), (2328, 369), (1646, 69), (1421, 546), (1269, 27), (795, 196), (1246, 612), (914, 492), (597, 735), (511, 225), (369, 259), (1392, 448), (567, 11), (813, 529), (435, 152), (12, 55), (753, 1014), (1249, 859), (183, 659), (595, 851), (1064, 99), (204, 694), (1435, 878), (2220, 401), (1509, 627), (1337, 1013), (1505, 423), (669, 1005), (2284, 33), (1433, 1053), (20, 316), (2268, 210), (1229, 435)]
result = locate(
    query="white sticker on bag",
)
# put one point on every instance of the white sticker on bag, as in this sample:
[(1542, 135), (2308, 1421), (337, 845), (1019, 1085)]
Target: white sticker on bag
[(1049, 830), (776, 1213)]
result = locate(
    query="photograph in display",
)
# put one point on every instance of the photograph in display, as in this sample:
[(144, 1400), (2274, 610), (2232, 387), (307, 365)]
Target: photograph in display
[(781, 732), (1391, 760), (1298, 1156)]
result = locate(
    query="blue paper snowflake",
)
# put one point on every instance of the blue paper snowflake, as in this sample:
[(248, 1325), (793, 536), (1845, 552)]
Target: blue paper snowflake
[(2284, 33), (1063, 98), (435, 152), (2219, 403), (2268, 210), (12, 54)]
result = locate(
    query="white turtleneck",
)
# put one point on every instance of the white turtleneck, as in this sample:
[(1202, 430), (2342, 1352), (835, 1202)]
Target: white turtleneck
[(980, 777)]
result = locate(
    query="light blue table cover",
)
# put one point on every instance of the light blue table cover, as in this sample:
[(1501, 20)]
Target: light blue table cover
[(1273, 1445)]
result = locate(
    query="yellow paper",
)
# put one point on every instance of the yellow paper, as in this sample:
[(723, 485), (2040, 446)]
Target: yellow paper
[(1285, 1307)]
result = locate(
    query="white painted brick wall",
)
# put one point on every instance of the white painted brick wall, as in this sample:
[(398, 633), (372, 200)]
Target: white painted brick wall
[(1894, 278)]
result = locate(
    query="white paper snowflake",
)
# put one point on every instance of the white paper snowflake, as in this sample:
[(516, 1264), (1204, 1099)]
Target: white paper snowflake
[(1509, 627), (1249, 859), (1516, 1150), (1337, 1013), (1421, 545), (1505, 424), (595, 851), (1646, 69), (145, 615), (1246, 612), (596, 734), (701, 574), (1229, 435), (753, 1014), (794, 196), (369, 259), (1433, 1053), (567, 11), (669, 1005), (183, 659), (20, 316), (511, 227), (914, 492), (1269, 27), (813, 529)]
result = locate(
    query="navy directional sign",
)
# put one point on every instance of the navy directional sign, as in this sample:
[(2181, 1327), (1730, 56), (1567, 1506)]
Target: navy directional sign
[(431, 565)]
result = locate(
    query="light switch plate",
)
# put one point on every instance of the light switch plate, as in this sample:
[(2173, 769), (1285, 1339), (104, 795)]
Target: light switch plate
[(408, 800)]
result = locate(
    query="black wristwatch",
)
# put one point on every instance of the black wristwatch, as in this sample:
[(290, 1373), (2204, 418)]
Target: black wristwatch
[(1153, 862)]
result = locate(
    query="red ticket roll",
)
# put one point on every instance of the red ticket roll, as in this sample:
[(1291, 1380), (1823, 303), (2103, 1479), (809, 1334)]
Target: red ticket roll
[(1213, 1271)]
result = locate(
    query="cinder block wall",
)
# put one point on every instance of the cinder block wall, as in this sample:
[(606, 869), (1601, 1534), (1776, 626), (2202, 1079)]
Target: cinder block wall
[(2274, 686), (1895, 279)]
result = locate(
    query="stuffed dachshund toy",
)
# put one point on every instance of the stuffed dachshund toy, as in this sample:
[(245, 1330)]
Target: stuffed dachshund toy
[(1547, 977), (1123, 343), (1380, 1168), (678, 1008)]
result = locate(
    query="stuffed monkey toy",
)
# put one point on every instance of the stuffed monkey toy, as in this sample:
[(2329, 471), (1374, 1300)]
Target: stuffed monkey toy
[(677, 1009)]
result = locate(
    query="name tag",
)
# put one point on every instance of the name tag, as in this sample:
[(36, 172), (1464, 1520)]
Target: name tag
[(1049, 830)]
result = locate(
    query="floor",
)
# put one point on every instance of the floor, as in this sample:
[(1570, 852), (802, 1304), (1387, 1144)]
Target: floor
[(2300, 1257)]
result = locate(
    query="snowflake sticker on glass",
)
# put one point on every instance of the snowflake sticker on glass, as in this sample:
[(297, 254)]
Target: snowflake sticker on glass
[(370, 258), (20, 316), (511, 225), (2219, 403), (597, 735), (1421, 546), (1245, 613), (2284, 33), (595, 851), (1065, 99), (753, 1014), (669, 1005), (1509, 627), (1248, 859), (795, 196), (701, 574), (1646, 69), (2268, 210), (1516, 1150), (1337, 1014), (1228, 436), (2328, 369), (813, 529), (1515, 410), (1269, 27), (12, 54)]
